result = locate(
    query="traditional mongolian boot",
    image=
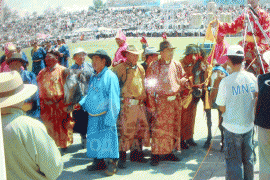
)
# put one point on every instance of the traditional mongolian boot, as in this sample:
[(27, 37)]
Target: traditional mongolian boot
[(171, 157), (122, 161), (98, 164), (112, 167), (155, 160), (138, 156), (133, 155), (191, 142), (141, 159), (183, 145)]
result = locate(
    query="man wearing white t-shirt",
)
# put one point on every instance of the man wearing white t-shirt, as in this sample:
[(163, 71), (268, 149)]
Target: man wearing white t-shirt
[(236, 100)]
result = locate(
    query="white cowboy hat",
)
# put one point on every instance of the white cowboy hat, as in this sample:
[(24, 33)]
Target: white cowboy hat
[(150, 50), (79, 50), (131, 49), (12, 89)]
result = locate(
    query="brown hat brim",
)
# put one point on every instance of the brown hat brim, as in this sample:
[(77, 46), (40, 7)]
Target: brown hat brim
[(124, 53), (16, 59), (165, 48), (107, 58)]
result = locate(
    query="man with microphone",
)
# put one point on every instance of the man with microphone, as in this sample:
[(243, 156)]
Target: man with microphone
[(249, 43)]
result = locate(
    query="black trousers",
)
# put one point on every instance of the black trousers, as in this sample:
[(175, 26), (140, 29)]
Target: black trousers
[(81, 121)]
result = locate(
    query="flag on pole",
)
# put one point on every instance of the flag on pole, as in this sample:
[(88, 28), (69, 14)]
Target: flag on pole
[(209, 34), (164, 36)]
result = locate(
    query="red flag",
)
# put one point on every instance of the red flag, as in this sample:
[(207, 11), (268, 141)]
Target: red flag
[(164, 36), (143, 40)]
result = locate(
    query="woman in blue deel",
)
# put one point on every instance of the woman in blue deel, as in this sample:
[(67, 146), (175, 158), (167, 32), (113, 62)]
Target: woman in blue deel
[(102, 103), (38, 55)]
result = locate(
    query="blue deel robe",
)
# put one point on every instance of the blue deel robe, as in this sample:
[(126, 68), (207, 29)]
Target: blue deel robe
[(30, 78), (39, 54), (103, 103), (24, 57), (64, 60)]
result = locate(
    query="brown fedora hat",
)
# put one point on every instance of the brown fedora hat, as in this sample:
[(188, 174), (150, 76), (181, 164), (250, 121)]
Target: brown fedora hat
[(131, 49)]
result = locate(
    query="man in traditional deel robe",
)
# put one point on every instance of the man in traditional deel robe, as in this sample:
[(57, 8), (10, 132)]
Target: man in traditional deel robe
[(197, 71), (164, 81), (102, 103), (53, 109), (133, 125), (120, 39), (84, 68)]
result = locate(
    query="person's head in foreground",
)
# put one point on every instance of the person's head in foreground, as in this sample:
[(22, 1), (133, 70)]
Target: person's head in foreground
[(100, 59), (235, 55), (12, 90), (22, 133)]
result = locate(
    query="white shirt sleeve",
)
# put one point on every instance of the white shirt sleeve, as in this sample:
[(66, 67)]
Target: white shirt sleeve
[(48, 157), (221, 96), (256, 84)]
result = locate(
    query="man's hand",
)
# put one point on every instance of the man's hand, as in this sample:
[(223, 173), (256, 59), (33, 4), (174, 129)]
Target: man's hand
[(222, 109), (220, 75), (115, 64), (27, 106), (77, 107)]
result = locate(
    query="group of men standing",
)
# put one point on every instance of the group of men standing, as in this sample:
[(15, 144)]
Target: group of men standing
[(151, 104), (148, 103)]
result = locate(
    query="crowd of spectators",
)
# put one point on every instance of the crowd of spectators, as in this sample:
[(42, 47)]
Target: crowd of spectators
[(104, 23)]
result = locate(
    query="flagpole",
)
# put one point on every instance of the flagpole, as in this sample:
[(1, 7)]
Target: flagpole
[(2, 154)]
